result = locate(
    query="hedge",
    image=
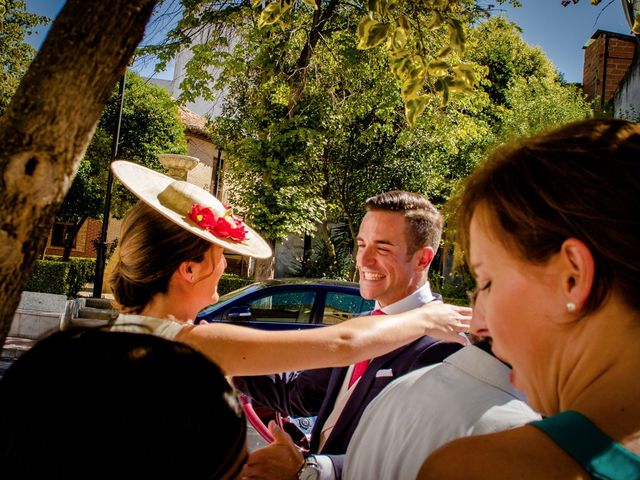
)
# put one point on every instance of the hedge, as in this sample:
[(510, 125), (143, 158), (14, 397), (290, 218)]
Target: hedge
[(64, 278), (230, 282), (81, 271), (55, 276), (48, 277)]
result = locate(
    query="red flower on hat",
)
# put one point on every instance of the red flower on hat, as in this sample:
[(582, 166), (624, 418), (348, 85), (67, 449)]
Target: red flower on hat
[(226, 226)]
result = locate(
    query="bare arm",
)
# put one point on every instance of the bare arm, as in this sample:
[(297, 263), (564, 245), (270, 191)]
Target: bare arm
[(246, 351)]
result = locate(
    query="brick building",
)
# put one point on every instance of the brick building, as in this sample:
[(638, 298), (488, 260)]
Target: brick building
[(607, 57), (84, 245)]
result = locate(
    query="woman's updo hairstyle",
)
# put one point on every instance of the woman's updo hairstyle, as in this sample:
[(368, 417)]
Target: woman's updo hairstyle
[(151, 249)]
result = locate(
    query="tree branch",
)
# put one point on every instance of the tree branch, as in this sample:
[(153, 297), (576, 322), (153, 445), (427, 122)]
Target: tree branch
[(298, 78)]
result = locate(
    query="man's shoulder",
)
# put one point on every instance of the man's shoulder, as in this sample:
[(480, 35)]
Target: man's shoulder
[(430, 343), (420, 353)]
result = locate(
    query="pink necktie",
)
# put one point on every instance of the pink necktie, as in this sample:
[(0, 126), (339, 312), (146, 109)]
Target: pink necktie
[(361, 367)]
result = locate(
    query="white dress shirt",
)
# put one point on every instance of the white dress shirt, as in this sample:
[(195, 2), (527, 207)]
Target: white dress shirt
[(468, 394)]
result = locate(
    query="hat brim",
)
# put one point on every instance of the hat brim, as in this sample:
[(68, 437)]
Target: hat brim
[(147, 184)]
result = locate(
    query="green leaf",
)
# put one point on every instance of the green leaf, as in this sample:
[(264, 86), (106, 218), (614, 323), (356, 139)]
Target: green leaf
[(456, 34), (256, 3), (636, 25), (436, 21), (371, 33), (400, 37), (442, 87), (270, 14), (459, 86), (464, 73), (444, 52), (311, 3), (438, 68), (413, 108), (400, 62), (388, 6), (410, 87), (403, 22), (363, 31)]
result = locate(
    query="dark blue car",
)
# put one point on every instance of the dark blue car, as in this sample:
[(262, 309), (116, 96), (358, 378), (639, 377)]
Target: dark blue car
[(285, 305), (289, 304)]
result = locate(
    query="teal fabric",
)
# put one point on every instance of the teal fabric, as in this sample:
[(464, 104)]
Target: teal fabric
[(598, 454)]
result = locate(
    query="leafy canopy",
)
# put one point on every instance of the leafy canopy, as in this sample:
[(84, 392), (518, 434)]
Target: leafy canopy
[(423, 41), (150, 126), (348, 139), (15, 54)]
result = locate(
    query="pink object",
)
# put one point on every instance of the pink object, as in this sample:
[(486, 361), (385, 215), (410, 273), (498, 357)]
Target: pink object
[(254, 420), (361, 367)]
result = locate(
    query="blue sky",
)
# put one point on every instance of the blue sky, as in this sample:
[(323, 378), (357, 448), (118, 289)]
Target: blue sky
[(560, 31)]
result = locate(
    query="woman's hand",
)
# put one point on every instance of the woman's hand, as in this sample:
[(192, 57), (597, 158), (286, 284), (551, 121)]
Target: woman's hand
[(445, 321)]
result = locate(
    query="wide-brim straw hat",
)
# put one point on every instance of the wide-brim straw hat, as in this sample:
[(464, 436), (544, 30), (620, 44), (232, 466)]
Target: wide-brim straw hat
[(174, 200)]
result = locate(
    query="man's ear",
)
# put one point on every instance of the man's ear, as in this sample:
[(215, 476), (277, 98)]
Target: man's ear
[(578, 272), (425, 257)]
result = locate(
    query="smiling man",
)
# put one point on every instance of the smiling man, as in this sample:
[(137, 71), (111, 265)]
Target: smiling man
[(397, 241)]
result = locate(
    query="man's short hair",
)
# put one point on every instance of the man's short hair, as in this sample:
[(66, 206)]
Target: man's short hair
[(424, 222)]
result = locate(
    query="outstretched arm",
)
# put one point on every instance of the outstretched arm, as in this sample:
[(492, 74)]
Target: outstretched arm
[(246, 351)]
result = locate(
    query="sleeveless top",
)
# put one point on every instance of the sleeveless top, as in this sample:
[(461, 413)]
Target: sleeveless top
[(601, 456), (167, 329)]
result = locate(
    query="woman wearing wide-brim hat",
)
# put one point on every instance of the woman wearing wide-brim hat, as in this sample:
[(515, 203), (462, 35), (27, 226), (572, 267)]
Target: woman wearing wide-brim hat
[(169, 264)]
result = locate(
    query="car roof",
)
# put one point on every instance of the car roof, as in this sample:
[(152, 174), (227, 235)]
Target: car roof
[(306, 281)]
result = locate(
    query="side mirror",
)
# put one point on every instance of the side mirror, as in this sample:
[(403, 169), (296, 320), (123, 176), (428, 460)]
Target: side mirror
[(241, 312)]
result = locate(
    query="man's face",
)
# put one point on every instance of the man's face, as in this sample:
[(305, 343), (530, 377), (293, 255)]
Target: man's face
[(387, 272)]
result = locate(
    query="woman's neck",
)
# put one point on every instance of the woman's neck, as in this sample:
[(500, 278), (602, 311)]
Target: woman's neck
[(170, 306), (601, 362)]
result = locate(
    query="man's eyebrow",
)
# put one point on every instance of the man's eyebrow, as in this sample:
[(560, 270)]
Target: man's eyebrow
[(378, 242), (385, 242)]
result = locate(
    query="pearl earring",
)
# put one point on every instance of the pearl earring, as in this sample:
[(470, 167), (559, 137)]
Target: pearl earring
[(571, 307)]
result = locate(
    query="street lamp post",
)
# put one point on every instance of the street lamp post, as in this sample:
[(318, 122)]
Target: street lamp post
[(102, 245)]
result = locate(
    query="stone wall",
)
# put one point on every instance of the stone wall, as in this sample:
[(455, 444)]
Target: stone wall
[(626, 103)]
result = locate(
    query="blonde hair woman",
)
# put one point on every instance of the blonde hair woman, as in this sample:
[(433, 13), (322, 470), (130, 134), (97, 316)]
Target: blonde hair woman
[(168, 269)]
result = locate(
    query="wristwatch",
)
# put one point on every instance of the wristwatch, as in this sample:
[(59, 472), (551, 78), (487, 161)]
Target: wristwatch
[(310, 470)]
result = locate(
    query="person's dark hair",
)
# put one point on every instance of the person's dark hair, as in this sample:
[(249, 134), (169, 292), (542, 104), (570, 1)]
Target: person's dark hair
[(580, 181), (94, 404), (151, 249), (424, 222)]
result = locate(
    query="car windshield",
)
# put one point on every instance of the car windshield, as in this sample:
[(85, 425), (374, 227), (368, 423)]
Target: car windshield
[(229, 297)]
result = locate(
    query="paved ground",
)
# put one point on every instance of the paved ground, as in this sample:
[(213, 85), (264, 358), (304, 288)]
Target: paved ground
[(254, 440), (14, 347)]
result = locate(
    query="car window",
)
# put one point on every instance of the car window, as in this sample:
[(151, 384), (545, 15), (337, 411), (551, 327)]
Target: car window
[(343, 306), (292, 307)]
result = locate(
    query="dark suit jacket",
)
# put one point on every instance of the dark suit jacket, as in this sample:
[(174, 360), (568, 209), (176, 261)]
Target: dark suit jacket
[(314, 392)]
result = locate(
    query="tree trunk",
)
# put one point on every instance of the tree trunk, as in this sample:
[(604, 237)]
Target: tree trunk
[(266, 267), (326, 238), (353, 270), (70, 236), (49, 123)]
